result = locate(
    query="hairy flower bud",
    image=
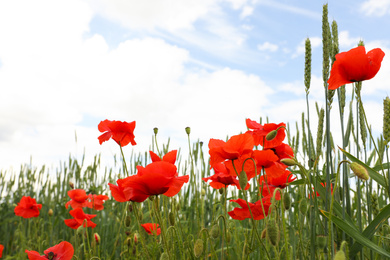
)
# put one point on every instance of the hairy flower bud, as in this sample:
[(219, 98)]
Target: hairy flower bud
[(243, 180), (303, 206), (214, 231), (171, 218), (273, 234), (321, 241), (97, 238), (359, 170), (288, 161), (128, 221), (340, 255), (198, 248), (286, 201), (271, 135)]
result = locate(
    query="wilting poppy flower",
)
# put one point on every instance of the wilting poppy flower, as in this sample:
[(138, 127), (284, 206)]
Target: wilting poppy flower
[(260, 132), (96, 201), (152, 228), (121, 132), (27, 208), (79, 199), (234, 148), (1, 250), (355, 65), (256, 208), (169, 157), (156, 178), (78, 219), (62, 251), (222, 178)]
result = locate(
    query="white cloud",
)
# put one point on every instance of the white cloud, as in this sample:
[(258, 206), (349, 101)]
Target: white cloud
[(347, 42), (267, 46), (375, 7), (246, 11)]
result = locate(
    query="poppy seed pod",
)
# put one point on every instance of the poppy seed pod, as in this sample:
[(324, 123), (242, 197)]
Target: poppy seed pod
[(243, 180), (155, 130), (271, 135), (214, 231), (359, 171), (198, 248), (188, 130)]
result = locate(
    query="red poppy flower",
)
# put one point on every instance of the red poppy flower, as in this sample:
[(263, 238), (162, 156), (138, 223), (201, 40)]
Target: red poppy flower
[(169, 157), (234, 148), (283, 151), (78, 219), (152, 228), (269, 184), (121, 132), (222, 178), (79, 199), (62, 251), (256, 208), (323, 184), (1, 250), (269, 160), (260, 132), (27, 208), (96, 201), (156, 178), (355, 65)]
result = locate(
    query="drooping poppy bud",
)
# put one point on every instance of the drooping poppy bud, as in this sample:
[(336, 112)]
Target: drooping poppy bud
[(273, 234), (288, 161), (303, 206), (214, 231), (271, 135), (359, 171), (171, 218), (286, 201), (243, 180), (198, 248)]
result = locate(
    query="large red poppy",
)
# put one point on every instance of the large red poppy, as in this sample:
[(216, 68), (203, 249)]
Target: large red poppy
[(269, 184), (121, 132), (78, 219), (61, 251), (256, 209), (234, 148), (355, 65), (156, 178), (27, 208), (259, 133), (152, 228)]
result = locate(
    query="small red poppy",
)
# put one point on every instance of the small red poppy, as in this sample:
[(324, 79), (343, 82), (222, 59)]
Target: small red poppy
[(61, 251), (234, 148), (222, 178), (169, 157), (1, 250), (260, 132), (355, 65), (79, 199), (78, 219), (27, 208), (96, 201), (152, 228), (256, 209), (121, 132)]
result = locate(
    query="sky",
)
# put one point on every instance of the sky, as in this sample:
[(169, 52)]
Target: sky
[(207, 64)]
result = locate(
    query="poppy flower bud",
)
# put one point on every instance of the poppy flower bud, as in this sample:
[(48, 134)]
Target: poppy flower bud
[(71, 185), (264, 233), (164, 256), (127, 241), (50, 212), (155, 130), (214, 231), (271, 135), (198, 248), (203, 192), (136, 236), (80, 230), (340, 255), (171, 217), (130, 208), (221, 191), (243, 180), (359, 171), (97, 238), (188, 130), (128, 221), (286, 201), (321, 241), (273, 234), (303, 206), (288, 161), (228, 236)]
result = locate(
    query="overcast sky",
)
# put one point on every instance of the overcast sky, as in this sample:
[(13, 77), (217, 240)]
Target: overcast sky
[(207, 64)]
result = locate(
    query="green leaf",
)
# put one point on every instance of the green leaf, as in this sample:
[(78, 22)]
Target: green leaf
[(355, 234), (373, 174), (372, 228)]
